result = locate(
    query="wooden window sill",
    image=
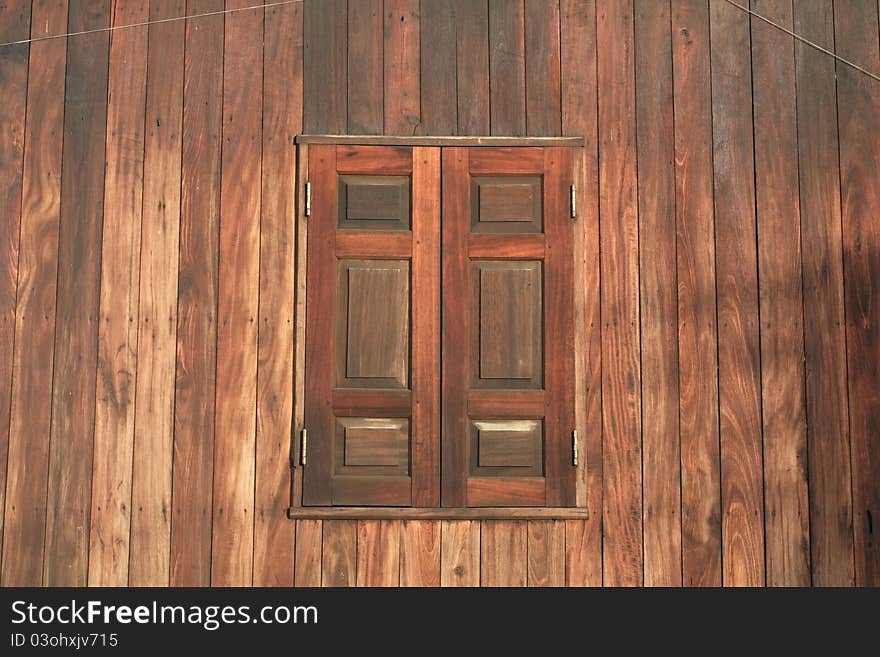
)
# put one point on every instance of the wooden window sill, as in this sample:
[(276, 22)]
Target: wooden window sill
[(434, 513)]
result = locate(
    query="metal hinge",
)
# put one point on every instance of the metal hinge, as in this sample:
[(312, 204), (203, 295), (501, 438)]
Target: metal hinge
[(308, 208), (573, 201), (304, 446), (574, 447)]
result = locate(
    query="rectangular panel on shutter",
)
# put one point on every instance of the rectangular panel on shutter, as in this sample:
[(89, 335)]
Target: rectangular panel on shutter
[(511, 205), (374, 203)]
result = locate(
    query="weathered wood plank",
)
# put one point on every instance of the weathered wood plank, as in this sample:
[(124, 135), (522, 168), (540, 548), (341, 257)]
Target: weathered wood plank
[(621, 375), (507, 67), (197, 299), (402, 60), (503, 553), (420, 553), (378, 553), (240, 205), (439, 110), (780, 283), (325, 74), (546, 553), (307, 564), (76, 335), (739, 376), (543, 73), (460, 553), (339, 553), (697, 334), (365, 83), (657, 295), (472, 66), (120, 274)]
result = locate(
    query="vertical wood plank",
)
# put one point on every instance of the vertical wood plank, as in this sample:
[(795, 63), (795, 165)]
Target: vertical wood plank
[(299, 366), (543, 74), (657, 295), (307, 563), (240, 204), (76, 335), (401, 65), (120, 270), (780, 285), (621, 376), (420, 553), (378, 553), (325, 73), (739, 376), (459, 553), (507, 68), (697, 334), (339, 553), (157, 312), (197, 298), (579, 117), (858, 105), (831, 536), (503, 553), (472, 66), (31, 410), (439, 111), (365, 82), (282, 120), (546, 552)]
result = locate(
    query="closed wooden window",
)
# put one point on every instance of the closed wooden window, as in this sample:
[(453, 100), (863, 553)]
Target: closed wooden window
[(439, 327)]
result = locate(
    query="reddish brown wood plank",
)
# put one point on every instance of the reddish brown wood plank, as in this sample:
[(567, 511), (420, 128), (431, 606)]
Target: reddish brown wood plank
[(339, 552), (739, 375), (120, 272), (510, 160), (472, 66), (657, 295), (384, 160), (507, 68), (503, 553), (460, 553), (543, 73), (420, 553), (378, 553), (780, 285), (697, 334), (325, 73), (831, 536), (401, 64), (374, 245), (506, 491), (197, 299), (439, 112), (76, 335), (240, 204), (499, 247), (858, 104), (621, 376), (579, 117), (307, 570), (546, 552), (282, 120), (365, 83)]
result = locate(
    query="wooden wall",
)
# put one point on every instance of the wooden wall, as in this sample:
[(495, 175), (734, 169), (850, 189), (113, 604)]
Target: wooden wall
[(146, 283)]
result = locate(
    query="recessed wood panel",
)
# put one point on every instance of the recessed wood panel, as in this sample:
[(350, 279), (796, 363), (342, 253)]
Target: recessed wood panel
[(372, 446), (374, 203), (506, 205), (508, 334), (507, 447), (372, 326)]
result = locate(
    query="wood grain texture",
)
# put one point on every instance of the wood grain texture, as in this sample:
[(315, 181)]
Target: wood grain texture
[(325, 74), (858, 105), (307, 563), (546, 553), (282, 120), (339, 553), (439, 109), (621, 375), (472, 66), (239, 283), (378, 553), (831, 535), (157, 313), (697, 330), (420, 553), (460, 553), (76, 334), (780, 286), (507, 67), (580, 117), (365, 81), (503, 553), (657, 295), (192, 494), (739, 362), (543, 73), (120, 274), (402, 59)]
